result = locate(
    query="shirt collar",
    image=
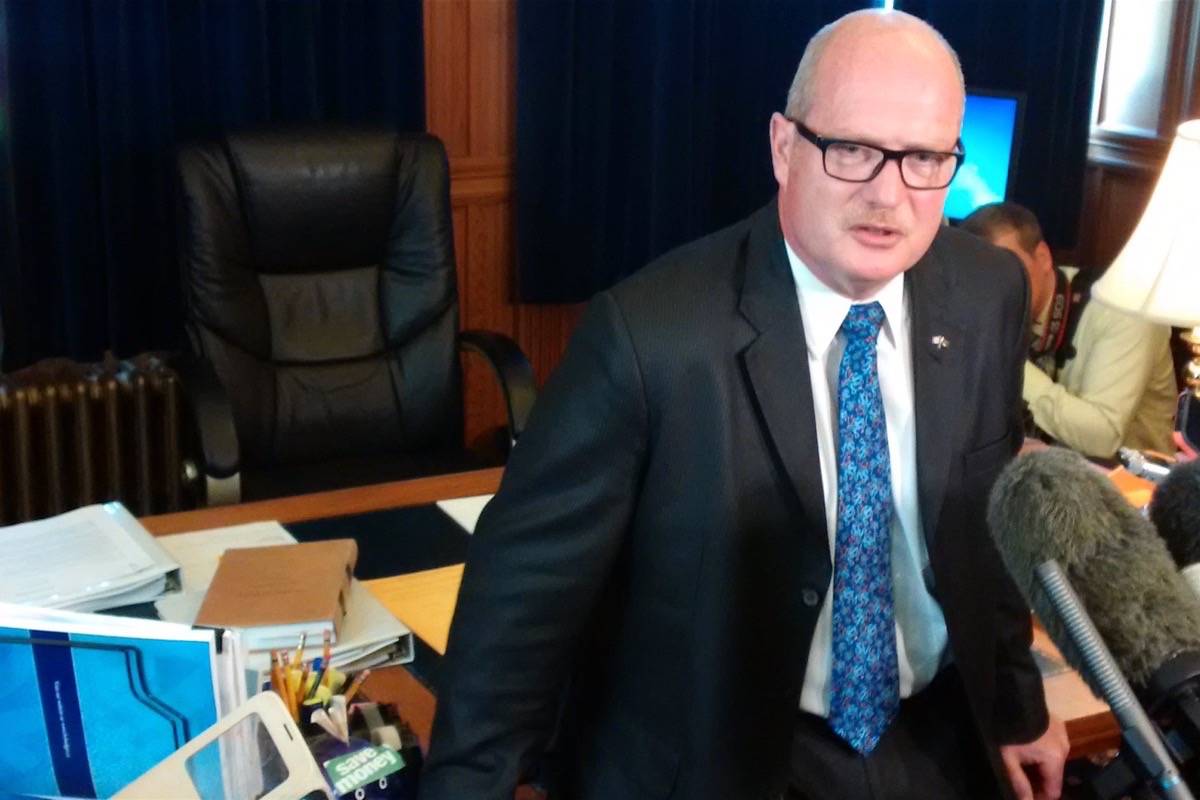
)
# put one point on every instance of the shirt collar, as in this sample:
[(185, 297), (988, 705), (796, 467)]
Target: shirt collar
[(822, 309)]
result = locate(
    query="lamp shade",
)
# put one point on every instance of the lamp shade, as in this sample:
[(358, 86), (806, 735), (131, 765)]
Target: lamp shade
[(1157, 274)]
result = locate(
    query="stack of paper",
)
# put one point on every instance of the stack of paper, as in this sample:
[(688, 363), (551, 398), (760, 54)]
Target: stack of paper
[(89, 559), (370, 635)]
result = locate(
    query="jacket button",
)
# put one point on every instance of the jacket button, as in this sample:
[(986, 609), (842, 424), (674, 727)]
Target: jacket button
[(810, 597)]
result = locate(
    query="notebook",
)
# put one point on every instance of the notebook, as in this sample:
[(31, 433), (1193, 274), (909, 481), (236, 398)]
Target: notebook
[(275, 594)]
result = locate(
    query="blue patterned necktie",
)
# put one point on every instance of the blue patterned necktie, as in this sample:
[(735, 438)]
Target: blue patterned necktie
[(865, 679)]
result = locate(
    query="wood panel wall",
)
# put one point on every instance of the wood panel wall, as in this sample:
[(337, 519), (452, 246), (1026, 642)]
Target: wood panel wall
[(1134, 125), (470, 101), (1133, 129), (1114, 197)]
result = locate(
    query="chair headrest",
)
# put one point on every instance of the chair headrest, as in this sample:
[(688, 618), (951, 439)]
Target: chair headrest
[(317, 200)]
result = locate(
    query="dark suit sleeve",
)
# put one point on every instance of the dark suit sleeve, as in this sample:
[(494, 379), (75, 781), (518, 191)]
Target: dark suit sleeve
[(1020, 708), (538, 562)]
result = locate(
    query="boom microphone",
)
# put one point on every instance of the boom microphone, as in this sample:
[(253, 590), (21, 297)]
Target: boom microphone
[(1050, 508), (1175, 512), (1051, 504)]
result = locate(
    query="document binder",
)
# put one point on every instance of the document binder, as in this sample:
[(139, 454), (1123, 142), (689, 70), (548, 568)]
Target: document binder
[(275, 594), (89, 702), (89, 559)]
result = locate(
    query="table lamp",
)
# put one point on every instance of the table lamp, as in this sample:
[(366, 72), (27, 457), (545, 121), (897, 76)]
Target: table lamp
[(1157, 274)]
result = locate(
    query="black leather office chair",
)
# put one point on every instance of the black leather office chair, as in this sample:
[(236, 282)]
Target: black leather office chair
[(322, 310)]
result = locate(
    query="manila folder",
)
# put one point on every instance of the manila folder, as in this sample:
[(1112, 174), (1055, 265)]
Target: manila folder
[(274, 593)]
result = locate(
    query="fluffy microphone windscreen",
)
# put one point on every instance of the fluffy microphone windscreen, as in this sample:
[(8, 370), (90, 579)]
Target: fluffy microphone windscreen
[(1175, 512), (1052, 504)]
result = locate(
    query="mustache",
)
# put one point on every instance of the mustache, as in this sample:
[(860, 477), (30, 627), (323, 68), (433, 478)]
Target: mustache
[(876, 220)]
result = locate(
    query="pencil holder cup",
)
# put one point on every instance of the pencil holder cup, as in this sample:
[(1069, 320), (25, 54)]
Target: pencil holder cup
[(359, 770)]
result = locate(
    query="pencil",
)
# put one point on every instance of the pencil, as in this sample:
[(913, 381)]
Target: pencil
[(300, 649), (355, 684), (302, 692), (285, 691), (292, 671), (277, 679)]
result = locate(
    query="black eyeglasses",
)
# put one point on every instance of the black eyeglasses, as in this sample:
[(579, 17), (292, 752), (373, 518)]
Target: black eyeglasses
[(858, 162)]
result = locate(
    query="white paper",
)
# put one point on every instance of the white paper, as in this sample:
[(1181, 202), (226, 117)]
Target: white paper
[(465, 510), (198, 554), (88, 559)]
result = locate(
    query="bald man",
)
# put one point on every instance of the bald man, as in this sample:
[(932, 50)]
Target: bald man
[(740, 549)]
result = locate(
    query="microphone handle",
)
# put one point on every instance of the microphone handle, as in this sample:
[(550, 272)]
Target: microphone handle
[(1136, 462), (1138, 732)]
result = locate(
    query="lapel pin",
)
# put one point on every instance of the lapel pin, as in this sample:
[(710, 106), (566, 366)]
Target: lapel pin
[(940, 342)]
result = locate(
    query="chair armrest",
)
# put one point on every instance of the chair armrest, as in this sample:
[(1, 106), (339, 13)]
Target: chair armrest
[(212, 415), (512, 370)]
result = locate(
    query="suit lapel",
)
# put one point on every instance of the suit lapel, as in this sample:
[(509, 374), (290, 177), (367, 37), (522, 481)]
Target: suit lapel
[(938, 350), (775, 365)]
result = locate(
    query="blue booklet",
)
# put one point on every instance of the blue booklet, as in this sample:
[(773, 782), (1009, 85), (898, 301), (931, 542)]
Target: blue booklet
[(90, 702)]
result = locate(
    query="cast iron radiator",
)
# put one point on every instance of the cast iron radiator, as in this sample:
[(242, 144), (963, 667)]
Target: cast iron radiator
[(73, 434)]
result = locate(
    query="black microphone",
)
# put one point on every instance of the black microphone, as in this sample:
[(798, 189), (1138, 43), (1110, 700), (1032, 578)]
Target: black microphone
[(1175, 512), (1052, 504), (1051, 507)]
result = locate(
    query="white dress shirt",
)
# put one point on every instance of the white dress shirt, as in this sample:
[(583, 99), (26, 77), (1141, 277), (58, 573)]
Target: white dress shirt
[(920, 626)]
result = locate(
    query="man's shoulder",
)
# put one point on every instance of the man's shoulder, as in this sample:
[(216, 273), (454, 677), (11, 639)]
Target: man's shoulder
[(703, 273), (712, 256), (976, 265), (971, 250)]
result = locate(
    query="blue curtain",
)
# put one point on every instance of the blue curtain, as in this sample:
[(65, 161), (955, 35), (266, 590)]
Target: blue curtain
[(95, 95), (1047, 50), (642, 124)]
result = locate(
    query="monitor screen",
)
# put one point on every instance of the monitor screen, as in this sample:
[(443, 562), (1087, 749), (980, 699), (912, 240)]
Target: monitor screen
[(991, 127)]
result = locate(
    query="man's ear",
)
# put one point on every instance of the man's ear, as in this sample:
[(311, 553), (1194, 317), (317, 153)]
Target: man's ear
[(782, 136), (1043, 257)]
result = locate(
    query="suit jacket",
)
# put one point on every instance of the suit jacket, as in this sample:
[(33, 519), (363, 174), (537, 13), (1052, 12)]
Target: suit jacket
[(657, 553)]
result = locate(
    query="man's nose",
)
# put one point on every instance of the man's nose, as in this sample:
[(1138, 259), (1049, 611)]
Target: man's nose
[(887, 188)]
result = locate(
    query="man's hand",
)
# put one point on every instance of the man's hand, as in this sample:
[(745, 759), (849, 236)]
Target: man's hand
[(1035, 769)]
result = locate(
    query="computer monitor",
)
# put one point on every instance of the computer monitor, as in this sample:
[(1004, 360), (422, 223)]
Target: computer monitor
[(991, 134)]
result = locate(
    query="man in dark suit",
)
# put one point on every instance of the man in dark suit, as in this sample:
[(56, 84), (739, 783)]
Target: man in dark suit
[(740, 550)]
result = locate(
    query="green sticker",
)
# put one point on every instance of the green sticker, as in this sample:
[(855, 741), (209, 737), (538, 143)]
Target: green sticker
[(361, 767)]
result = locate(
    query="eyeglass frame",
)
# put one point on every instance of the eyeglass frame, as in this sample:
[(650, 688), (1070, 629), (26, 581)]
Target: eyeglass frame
[(823, 144)]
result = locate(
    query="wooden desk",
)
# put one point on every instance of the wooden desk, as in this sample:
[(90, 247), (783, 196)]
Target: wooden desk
[(394, 684), (1091, 727), (428, 598), (335, 503)]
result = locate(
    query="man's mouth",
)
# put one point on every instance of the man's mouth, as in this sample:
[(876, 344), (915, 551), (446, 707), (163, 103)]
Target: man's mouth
[(875, 235)]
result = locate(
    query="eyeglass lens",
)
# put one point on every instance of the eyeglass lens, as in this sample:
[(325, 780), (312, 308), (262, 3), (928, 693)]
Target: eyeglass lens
[(858, 162)]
